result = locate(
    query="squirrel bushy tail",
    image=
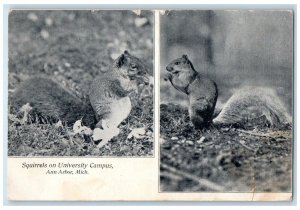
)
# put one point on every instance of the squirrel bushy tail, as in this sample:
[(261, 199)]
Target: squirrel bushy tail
[(52, 101), (251, 103)]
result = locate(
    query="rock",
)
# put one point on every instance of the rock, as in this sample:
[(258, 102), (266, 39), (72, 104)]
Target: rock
[(174, 138)]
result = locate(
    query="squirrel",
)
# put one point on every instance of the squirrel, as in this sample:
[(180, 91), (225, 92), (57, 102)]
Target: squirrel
[(110, 96), (203, 93)]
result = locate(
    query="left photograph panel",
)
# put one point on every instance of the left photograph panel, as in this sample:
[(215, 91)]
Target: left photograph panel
[(80, 83)]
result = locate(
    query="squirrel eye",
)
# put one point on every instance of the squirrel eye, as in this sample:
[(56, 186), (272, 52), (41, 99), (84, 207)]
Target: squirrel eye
[(176, 63), (141, 73), (133, 66)]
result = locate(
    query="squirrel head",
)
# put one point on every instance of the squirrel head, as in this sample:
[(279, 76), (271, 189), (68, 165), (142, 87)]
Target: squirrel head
[(181, 72), (132, 68), (181, 64)]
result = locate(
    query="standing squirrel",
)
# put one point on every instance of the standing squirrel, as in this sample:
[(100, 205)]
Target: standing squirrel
[(247, 103), (109, 99), (202, 91)]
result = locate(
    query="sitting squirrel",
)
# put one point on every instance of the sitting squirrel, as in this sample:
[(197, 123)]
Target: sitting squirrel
[(203, 94), (110, 96)]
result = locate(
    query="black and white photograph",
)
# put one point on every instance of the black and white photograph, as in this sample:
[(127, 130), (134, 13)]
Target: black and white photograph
[(80, 83), (226, 100)]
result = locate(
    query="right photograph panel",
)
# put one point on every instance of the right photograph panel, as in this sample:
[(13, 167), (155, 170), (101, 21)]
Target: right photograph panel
[(226, 100)]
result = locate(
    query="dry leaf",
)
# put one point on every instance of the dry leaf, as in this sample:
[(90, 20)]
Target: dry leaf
[(59, 124), (105, 135), (78, 128), (137, 133), (25, 108)]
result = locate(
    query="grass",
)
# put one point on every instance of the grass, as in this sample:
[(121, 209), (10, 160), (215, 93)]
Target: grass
[(32, 139)]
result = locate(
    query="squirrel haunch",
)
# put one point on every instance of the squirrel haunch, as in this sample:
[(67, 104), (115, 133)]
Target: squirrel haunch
[(202, 91), (247, 103)]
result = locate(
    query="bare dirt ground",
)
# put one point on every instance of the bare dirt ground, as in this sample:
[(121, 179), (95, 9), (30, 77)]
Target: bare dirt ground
[(222, 158), (72, 47)]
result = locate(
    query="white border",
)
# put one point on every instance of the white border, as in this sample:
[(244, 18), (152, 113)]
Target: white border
[(160, 4)]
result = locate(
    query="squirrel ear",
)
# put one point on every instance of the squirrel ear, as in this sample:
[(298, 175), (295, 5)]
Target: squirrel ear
[(126, 52), (185, 57), (119, 61)]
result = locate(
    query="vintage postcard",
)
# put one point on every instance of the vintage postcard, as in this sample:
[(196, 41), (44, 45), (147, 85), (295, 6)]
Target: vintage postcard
[(150, 105)]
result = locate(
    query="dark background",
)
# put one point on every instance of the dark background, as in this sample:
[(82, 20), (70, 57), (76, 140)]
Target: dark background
[(75, 45), (235, 48)]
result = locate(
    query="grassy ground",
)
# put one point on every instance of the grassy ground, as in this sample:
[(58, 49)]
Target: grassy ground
[(222, 159), (72, 47)]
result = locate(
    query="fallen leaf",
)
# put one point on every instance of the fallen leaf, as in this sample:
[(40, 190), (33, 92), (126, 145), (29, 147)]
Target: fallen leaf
[(25, 108), (25, 149), (105, 135), (87, 131), (65, 143), (78, 128), (13, 118), (58, 124), (201, 140), (137, 133)]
